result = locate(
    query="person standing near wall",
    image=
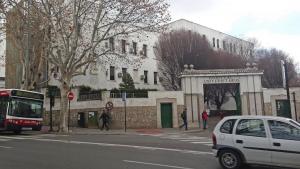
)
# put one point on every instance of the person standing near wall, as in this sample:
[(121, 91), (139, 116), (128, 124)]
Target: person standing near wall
[(204, 118)]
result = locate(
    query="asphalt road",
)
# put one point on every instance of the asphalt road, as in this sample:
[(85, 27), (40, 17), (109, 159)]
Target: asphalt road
[(130, 151)]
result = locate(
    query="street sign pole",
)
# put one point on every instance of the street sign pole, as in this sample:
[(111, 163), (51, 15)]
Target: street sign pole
[(51, 123), (125, 119), (70, 97), (69, 115)]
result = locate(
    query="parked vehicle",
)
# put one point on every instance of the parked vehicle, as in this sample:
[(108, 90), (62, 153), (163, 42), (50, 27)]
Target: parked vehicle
[(265, 140)]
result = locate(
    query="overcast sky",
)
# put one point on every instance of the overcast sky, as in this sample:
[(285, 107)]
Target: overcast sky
[(274, 23)]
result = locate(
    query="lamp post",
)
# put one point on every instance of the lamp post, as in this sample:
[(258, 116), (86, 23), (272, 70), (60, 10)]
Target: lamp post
[(191, 86)]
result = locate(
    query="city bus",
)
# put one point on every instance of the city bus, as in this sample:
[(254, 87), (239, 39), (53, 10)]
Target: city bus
[(20, 110)]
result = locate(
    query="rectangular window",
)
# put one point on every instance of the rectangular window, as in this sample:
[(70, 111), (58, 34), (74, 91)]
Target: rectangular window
[(234, 48), (155, 77), (284, 131), (134, 47), (230, 47), (218, 46), (224, 44), (123, 46), (214, 42), (112, 73), (204, 36), (145, 76), (251, 127), (112, 44), (145, 50), (124, 71), (242, 52)]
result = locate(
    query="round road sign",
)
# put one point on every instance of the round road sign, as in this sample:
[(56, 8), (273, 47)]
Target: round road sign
[(70, 95), (109, 105)]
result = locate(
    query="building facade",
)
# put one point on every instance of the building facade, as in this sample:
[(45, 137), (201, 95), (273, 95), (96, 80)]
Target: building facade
[(135, 56)]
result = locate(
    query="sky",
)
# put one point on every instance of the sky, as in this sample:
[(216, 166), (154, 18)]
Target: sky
[(274, 23)]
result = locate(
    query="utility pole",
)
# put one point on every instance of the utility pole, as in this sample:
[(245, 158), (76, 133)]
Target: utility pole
[(287, 86), (295, 106)]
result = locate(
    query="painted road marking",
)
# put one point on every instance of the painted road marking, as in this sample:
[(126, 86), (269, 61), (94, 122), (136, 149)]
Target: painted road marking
[(114, 145), (155, 164), (5, 147), (206, 141), (201, 142)]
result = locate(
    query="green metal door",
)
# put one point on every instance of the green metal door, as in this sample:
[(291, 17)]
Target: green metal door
[(283, 108), (166, 115)]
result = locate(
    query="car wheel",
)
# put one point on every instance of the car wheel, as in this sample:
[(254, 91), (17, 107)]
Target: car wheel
[(229, 159)]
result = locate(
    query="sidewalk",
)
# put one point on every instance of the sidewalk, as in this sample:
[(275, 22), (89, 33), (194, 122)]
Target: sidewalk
[(94, 131)]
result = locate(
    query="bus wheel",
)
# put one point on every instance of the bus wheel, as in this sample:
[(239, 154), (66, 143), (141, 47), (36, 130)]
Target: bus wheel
[(17, 131)]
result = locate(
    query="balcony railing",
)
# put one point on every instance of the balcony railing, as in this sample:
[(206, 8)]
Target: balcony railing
[(86, 96), (129, 95)]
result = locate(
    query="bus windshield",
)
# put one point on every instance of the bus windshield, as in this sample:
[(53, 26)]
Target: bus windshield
[(3, 109), (26, 108)]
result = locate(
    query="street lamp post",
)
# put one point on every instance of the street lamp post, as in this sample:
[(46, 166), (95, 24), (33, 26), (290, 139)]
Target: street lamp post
[(191, 86)]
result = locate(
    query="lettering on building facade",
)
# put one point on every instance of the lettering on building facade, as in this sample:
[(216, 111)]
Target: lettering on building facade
[(222, 79)]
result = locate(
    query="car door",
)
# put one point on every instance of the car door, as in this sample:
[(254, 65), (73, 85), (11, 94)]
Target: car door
[(225, 133), (285, 143), (251, 138)]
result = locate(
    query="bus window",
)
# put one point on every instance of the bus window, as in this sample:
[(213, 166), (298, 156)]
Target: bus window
[(26, 108)]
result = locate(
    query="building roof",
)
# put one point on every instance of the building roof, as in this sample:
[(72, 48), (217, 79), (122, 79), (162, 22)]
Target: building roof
[(221, 71), (185, 20)]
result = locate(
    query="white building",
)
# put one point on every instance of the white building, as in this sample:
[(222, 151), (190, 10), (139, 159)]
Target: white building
[(139, 59)]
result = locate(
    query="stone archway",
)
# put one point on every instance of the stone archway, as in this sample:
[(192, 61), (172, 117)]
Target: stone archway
[(249, 80)]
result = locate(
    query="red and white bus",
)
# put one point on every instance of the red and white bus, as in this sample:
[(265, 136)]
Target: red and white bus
[(20, 110)]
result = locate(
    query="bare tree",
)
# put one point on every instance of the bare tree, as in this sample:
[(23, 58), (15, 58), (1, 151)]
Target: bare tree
[(269, 60), (77, 31), (216, 94), (176, 48), (20, 26)]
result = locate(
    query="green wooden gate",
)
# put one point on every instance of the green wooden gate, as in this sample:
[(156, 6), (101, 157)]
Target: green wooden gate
[(283, 108), (166, 115)]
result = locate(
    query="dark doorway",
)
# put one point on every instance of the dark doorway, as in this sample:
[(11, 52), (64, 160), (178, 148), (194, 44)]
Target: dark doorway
[(92, 120), (81, 119), (283, 108), (166, 115)]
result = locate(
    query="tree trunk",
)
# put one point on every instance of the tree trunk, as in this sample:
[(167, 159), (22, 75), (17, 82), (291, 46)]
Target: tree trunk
[(63, 121)]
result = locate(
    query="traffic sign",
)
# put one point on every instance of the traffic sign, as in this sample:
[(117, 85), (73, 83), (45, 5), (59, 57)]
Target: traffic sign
[(70, 96), (109, 105)]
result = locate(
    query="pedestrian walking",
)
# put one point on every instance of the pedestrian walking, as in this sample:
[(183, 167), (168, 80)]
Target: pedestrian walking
[(184, 119), (204, 118), (105, 119), (221, 115)]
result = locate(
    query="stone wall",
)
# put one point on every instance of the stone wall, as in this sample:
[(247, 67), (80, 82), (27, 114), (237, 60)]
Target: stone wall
[(137, 117)]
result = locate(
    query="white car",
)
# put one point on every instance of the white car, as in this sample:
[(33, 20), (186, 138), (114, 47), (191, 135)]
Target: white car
[(266, 140)]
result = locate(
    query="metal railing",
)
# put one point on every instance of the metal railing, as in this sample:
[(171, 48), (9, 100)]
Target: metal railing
[(129, 95), (86, 96)]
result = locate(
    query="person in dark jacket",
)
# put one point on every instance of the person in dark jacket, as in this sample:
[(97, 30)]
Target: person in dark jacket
[(184, 119), (105, 119)]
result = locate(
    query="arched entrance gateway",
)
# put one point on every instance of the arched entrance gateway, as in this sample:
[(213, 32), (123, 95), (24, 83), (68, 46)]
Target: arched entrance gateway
[(230, 91)]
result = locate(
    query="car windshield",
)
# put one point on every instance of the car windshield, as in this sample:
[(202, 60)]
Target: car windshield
[(26, 108)]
